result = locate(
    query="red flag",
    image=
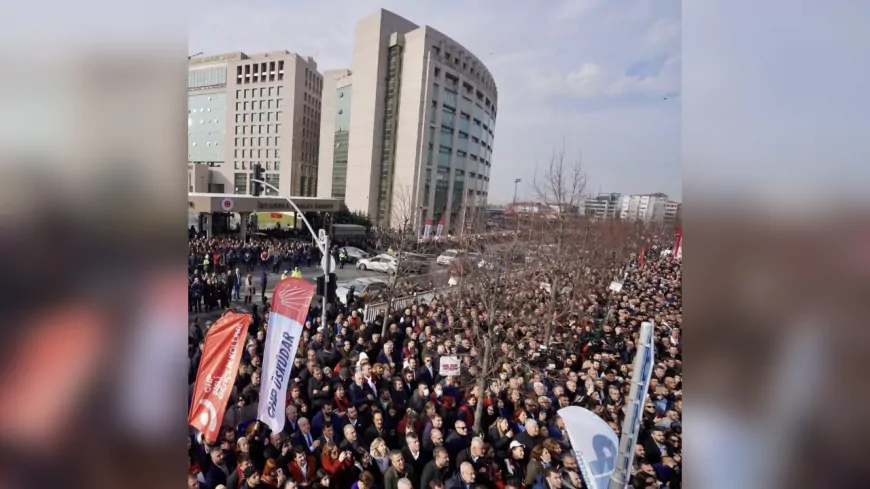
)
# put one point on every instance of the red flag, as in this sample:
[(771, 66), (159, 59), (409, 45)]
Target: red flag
[(641, 255), (678, 242), (218, 368)]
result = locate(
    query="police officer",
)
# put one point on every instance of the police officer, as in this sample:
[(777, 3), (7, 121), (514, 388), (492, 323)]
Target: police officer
[(284, 275), (342, 257), (296, 273)]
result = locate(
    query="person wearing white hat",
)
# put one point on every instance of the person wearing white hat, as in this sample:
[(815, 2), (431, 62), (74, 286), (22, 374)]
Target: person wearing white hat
[(513, 466)]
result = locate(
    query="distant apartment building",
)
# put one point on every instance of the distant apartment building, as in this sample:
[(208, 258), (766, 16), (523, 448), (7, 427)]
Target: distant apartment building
[(245, 109), (603, 206), (646, 207), (673, 212), (409, 128)]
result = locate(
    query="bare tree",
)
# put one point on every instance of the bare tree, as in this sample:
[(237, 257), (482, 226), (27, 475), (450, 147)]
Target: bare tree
[(403, 239), (560, 188)]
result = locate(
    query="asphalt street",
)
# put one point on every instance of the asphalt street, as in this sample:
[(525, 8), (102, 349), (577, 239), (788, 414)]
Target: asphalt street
[(348, 273)]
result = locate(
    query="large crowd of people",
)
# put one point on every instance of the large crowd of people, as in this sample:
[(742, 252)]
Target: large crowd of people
[(367, 406)]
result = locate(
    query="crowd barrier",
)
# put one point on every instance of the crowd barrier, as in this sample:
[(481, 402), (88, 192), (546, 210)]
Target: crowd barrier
[(372, 310)]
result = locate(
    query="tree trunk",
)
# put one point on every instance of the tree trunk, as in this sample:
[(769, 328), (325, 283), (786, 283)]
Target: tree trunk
[(481, 382)]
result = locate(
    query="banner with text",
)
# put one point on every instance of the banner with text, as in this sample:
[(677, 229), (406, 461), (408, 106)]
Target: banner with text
[(449, 366), (594, 444), (290, 302), (221, 354)]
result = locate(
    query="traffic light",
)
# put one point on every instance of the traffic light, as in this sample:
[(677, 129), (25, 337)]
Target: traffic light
[(256, 187)]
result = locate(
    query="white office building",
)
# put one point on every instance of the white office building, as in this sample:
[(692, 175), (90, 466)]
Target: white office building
[(407, 131), (646, 208)]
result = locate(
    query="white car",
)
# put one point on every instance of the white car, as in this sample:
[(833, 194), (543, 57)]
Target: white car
[(448, 257), (381, 263), (371, 285)]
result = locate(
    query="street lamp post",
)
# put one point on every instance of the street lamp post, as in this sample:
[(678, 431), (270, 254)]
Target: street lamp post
[(322, 243), (516, 183)]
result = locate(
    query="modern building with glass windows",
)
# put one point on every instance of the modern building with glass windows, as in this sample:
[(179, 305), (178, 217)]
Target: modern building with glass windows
[(419, 111), (246, 109)]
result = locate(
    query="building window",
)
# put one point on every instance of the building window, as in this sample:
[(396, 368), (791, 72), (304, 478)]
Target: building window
[(240, 183)]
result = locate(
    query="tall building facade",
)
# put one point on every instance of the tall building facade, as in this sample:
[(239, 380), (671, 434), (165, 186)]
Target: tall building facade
[(647, 207), (603, 206), (673, 212), (260, 108), (420, 127)]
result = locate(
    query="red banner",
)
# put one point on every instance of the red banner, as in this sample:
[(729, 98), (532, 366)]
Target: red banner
[(678, 242), (641, 256), (221, 354)]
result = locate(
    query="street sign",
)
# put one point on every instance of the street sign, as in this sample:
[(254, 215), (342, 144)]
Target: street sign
[(321, 235), (331, 263), (227, 204)]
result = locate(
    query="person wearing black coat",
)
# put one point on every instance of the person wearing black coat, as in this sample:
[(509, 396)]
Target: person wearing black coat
[(437, 469)]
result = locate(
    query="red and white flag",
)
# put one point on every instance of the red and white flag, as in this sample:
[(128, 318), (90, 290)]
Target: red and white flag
[(428, 229), (678, 243), (290, 302), (641, 255), (440, 228), (221, 354)]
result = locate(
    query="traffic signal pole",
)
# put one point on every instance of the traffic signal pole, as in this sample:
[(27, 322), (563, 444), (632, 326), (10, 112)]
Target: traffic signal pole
[(321, 241)]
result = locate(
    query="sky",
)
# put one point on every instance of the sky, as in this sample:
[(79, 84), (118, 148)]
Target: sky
[(596, 79)]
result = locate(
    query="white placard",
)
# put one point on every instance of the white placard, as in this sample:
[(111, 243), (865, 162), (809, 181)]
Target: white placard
[(615, 286), (449, 366)]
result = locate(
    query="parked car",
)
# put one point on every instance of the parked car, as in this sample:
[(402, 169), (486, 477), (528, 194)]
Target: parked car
[(369, 285), (449, 256), (355, 254)]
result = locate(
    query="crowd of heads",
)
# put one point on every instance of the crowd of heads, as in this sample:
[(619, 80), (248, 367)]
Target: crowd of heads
[(367, 405)]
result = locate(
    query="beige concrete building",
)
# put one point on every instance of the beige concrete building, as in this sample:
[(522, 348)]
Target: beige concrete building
[(645, 207), (260, 108), (420, 127)]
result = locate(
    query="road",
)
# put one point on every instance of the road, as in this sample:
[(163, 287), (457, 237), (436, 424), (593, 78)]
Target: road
[(350, 272)]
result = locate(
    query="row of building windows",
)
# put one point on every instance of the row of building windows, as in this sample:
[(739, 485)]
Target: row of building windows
[(258, 141), (255, 129), (477, 74), (268, 71), (260, 117), (260, 104), (257, 153), (249, 165), (262, 92)]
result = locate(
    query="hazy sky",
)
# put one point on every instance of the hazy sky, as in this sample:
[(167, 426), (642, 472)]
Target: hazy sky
[(587, 75)]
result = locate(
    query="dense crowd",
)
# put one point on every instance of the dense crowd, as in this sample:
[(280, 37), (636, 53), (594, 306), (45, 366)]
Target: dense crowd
[(368, 408)]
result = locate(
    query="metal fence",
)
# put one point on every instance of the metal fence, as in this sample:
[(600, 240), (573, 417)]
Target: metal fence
[(372, 310)]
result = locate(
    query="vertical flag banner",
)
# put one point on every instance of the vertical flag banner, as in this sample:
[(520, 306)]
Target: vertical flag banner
[(641, 256), (594, 444), (221, 354), (291, 300), (428, 229), (640, 379), (678, 243), (439, 228)]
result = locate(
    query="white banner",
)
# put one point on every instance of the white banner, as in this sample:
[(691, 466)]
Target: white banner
[(449, 366), (594, 443), (640, 380), (282, 341), (290, 301), (427, 230)]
